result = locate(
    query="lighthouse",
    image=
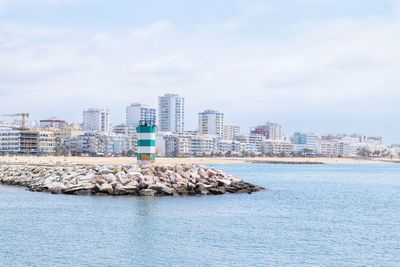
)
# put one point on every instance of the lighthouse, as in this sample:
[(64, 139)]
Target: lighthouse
[(146, 142)]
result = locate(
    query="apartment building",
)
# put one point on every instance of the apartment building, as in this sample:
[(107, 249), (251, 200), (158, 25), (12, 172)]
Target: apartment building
[(211, 122), (96, 120), (171, 113)]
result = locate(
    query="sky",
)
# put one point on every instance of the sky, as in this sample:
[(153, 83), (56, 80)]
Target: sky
[(313, 66)]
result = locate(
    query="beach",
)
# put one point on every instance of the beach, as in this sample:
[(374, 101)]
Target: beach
[(51, 160)]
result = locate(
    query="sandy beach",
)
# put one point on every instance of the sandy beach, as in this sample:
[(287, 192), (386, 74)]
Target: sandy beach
[(128, 161)]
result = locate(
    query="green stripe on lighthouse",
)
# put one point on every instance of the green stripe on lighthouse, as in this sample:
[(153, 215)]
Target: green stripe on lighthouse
[(146, 142), (146, 129)]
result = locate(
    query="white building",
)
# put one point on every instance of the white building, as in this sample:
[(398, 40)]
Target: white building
[(47, 142), (276, 147), (171, 113), (256, 140), (96, 120), (178, 145), (211, 122), (9, 141), (203, 145), (228, 146), (96, 144), (138, 112), (231, 131)]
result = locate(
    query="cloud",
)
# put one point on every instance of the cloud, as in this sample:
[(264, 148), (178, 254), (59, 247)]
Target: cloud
[(327, 74)]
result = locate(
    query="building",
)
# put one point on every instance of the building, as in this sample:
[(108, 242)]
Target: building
[(10, 141), (15, 141), (211, 122), (256, 140), (202, 145), (96, 120), (47, 142), (53, 122), (271, 131), (138, 112), (29, 142), (97, 144), (228, 147), (171, 113), (304, 142), (337, 148), (178, 145), (276, 147), (231, 131), (124, 129)]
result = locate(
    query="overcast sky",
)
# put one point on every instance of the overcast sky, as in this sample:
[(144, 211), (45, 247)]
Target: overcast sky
[(310, 65)]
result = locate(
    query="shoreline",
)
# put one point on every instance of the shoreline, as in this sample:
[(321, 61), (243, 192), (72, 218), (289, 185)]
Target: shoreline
[(52, 160)]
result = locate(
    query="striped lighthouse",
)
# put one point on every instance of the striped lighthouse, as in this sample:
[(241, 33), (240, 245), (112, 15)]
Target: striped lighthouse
[(146, 142)]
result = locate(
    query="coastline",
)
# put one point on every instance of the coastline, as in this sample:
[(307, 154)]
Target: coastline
[(52, 160)]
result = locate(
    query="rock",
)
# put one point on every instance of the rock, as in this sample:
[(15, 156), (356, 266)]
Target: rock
[(143, 185), (106, 188), (120, 190), (57, 188), (216, 191), (147, 192), (73, 189), (87, 177), (211, 173), (110, 178), (162, 189), (201, 189), (74, 181), (124, 181), (224, 182), (97, 180)]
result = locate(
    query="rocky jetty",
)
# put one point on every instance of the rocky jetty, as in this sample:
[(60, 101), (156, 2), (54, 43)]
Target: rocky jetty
[(152, 180)]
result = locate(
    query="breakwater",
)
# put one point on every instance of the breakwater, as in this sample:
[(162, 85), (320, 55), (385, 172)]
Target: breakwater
[(151, 180)]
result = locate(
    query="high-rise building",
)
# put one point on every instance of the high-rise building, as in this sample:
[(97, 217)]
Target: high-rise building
[(96, 120), (231, 131), (138, 112), (171, 113), (211, 122), (271, 131)]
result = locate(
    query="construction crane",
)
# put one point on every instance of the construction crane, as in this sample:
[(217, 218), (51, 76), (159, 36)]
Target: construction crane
[(23, 116)]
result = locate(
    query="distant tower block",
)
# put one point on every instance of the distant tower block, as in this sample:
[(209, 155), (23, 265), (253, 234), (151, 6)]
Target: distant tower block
[(146, 142)]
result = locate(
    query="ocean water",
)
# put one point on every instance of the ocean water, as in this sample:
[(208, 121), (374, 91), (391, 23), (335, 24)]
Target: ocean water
[(317, 215)]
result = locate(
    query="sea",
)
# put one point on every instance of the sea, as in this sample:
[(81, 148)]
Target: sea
[(311, 215)]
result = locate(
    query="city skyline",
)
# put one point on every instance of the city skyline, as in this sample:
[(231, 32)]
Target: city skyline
[(312, 67), (283, 132)]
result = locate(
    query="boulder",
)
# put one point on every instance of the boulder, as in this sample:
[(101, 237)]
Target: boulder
[(216, 191), (211, 173), (162, 189), (106, 188), (147, 192), (110, 178), (143, 185), (120, 190), (223, 182), (73, 189)]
